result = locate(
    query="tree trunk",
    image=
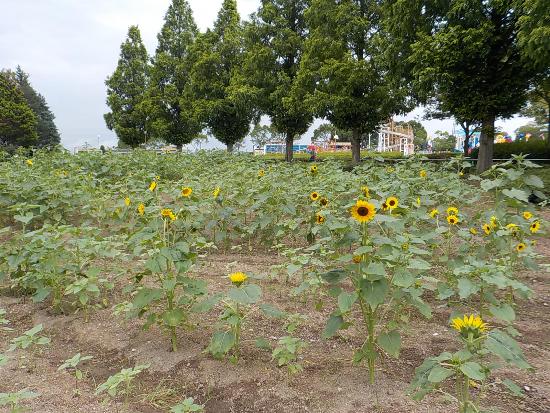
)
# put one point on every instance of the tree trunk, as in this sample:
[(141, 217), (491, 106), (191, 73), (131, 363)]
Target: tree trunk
[(289, 141), (486, 144), (230, 147), (466, 143), (356, 146)]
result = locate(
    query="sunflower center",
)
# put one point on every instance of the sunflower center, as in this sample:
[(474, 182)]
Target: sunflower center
[(362, 211), (392, 202)]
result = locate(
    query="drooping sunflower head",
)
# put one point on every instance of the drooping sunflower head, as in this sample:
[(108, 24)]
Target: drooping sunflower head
[(494, 221), (452, 219), (513, 228), (520, 247), (473, 231), (535, 226), (152, 186), (527, 215), (238, 278), (261, 173), (365, 190), (385, 206), (363, 211), (29, 162), (452, 210), (392, 202), (434, 212), (357, 259), (423, 173), (319, 218), (486, 228), (323, 201), (127, 201), (141, 209), (216, 192), (473, 325), (186, 192), (314, 196)]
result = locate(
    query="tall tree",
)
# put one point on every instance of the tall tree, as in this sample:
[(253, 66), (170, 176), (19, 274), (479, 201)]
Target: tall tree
[(275, 40), (170, 99), (344, 74), (534, 32), (538, 106), (264, 134), (48, 134), (470, 61), (220, 57), (126, 91), (18, 123)]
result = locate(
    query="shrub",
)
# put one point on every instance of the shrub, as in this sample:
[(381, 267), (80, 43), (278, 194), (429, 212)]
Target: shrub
[(537, 149)]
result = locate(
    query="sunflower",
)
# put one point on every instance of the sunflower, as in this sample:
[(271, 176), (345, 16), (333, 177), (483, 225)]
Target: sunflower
[(385, 206), (167, 212), (357, 259), (520, 247), (313, 169), (418, 201), (452, 211), (473, 231), (392, 202), (323, 201), (319, 218), (473, 325), (365, 190), (486, 229), (216, 192), (29, 162), (423, 173), (513, 228), (186, 192), (434, 212), (141, 209), (494, 221), (363, 211), (535, 226), (314, 196), (527, 215), (152, 186), (261, 173), (127, 201), (452, 219), (238, 278)]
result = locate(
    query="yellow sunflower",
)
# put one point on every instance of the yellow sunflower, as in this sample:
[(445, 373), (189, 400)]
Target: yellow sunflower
[(365, 190), (313, 169), (385, 206), (473, 231), (392, 202), (141, 209), (167, 212), (486, 229), (527, 215), (319, 218), (434, 212), (29, 162), (186, 192), (127, 201), (357, 259), (363, 211), (452, 219), (216, 192), (152, 186), (535, 226), (512, 228), (323, 201), (314, 196), (261, 173), (452, 211), (494, 221), (423, 173), (473, 325), (238, 278), (520, 247)]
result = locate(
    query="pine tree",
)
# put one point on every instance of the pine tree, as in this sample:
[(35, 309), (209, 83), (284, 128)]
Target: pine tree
[(275, 41), (18, 123), (126, 91), (48, 134), (219, 58), (170, 99)]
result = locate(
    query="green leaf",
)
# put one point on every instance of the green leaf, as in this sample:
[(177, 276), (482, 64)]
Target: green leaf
[(513, 387), (390, 342), (374, 292), (534, 181), (403, 278), (515, 193), (439, 373), (346, 301), (221, 342), (207, 304), (271, 311), (473, 370), (505, 312), (146, 296), (335, 323), (293, 268), (334, 276), (505, 347), (263, 344), (173, 318), (249, 294), (375, 271), (419, 264), (466, 288)]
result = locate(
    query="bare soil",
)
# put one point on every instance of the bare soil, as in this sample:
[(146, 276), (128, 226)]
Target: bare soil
[(330, 383)]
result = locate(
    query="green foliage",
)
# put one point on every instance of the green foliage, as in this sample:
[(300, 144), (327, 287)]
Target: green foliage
[(13, 400), (18, 123), (443, 142), (187, 406), (170, 100), (263, 134), (29, 338), (534, 32), (534, 149), (121, 383), (126, 91), (220, 54), (420, 133), (72, 364)]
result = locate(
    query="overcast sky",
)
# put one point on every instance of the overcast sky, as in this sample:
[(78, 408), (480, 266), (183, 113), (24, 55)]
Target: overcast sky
[(69, 47)]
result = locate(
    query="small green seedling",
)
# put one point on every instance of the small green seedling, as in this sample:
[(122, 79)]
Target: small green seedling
[(187, 406), (29, 338), (4, 321), (13, 400), (124, 377), (71, 364)]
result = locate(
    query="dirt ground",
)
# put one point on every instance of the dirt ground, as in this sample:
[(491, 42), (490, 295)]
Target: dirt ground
[(328, 384)]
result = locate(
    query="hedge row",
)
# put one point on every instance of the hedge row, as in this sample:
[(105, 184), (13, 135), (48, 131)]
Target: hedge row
[(537, 149)]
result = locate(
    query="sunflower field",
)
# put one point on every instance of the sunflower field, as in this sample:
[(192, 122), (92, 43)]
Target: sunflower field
[(232, 283)]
